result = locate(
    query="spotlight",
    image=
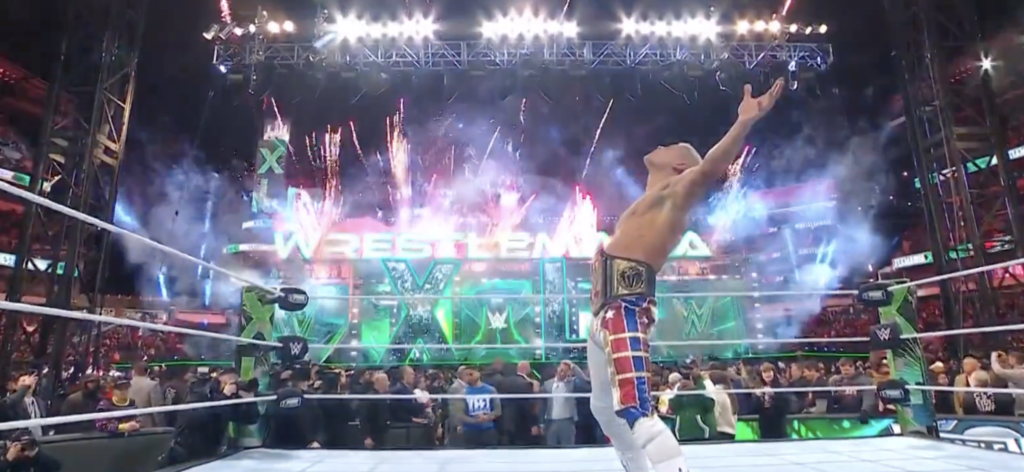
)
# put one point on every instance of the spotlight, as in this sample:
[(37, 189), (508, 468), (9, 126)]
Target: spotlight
[(808, 30), (793, 28), (986, 64), (211, 32), (226, 31), (353, 29), (823, 29), (743, 27), (760, 26), (288, 26), (774, 26), (273, 27), (528, 25)]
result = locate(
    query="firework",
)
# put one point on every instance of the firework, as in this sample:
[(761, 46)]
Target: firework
[(225, 11), (729, 205), (398, 154), (426, 193), (578, 221), (597, 136)]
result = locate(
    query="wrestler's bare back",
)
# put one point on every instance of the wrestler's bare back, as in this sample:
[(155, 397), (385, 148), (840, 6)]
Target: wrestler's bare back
[(652, 226)]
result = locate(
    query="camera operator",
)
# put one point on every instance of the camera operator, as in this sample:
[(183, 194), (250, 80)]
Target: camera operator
[(22, 454), (200, 432), (294, 420)]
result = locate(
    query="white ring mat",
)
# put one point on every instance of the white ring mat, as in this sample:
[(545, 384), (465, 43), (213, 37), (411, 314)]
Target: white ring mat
[(890, 454)]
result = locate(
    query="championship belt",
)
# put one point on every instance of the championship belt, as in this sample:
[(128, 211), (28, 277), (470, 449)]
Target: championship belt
[(615, 277)]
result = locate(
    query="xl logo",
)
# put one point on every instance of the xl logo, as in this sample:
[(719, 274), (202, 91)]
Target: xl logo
[(271, 152)]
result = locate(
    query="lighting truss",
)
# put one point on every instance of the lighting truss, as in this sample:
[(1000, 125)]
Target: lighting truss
[(469, 55)]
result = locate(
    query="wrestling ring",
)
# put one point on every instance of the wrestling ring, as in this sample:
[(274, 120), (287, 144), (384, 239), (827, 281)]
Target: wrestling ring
[(903, 451)]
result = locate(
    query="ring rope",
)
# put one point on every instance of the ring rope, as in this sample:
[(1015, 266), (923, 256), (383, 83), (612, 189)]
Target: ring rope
[(959, 273), (575, 296), (123, 232), (58, 420), (82, 316)]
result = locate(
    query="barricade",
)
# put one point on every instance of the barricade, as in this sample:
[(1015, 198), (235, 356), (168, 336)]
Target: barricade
[(141, 451)]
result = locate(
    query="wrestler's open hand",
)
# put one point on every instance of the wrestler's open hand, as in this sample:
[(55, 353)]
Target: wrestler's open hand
[(753, 108)]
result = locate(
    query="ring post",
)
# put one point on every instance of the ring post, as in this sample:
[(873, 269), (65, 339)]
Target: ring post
[(907, 363), (257, 323)]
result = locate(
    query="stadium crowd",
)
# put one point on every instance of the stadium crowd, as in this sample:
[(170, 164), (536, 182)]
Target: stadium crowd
[(694, 400)]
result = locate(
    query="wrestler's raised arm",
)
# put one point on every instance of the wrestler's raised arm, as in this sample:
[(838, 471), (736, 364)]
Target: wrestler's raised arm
[(751, 109)]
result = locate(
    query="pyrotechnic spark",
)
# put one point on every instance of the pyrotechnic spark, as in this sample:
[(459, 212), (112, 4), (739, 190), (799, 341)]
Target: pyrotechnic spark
[(729, 205), (785, 7), (490, 145), (578, 223), (495, 204), (597, 136), (398, 153), (225, 11), (278, 129), (565, 8)]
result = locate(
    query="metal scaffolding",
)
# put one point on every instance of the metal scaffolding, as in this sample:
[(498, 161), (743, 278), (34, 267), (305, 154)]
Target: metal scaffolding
[(76, 164), (467, 55), (952, 118)]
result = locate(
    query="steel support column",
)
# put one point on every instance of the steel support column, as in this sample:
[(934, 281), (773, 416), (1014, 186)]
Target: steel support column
[(76, 164), (950, 119)]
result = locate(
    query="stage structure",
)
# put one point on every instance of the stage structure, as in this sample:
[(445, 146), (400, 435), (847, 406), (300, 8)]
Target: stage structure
[(567, 55), (517, 40), (82, 154), (953, 119), (369, 259)]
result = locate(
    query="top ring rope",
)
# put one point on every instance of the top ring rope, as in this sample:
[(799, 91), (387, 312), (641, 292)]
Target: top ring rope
[(546, 296), (82, 316), (123, 232), (959, 273)]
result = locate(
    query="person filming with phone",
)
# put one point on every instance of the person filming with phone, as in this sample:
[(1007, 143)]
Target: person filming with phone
[(22, 404), (23, 454)]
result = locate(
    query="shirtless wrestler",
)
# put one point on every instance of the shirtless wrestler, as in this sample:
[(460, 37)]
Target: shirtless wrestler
[(623, 297)]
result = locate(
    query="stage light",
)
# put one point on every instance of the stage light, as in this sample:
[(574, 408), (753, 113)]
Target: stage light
[(527, 25), (986, 64), (743, 27), (288, 26), (273, 27), (702, 28), (226, 31), (353, 29), (823, 29), (238, 31), (760, 26), (774, 26), (808, 30), (211, 32), (794, 28)]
